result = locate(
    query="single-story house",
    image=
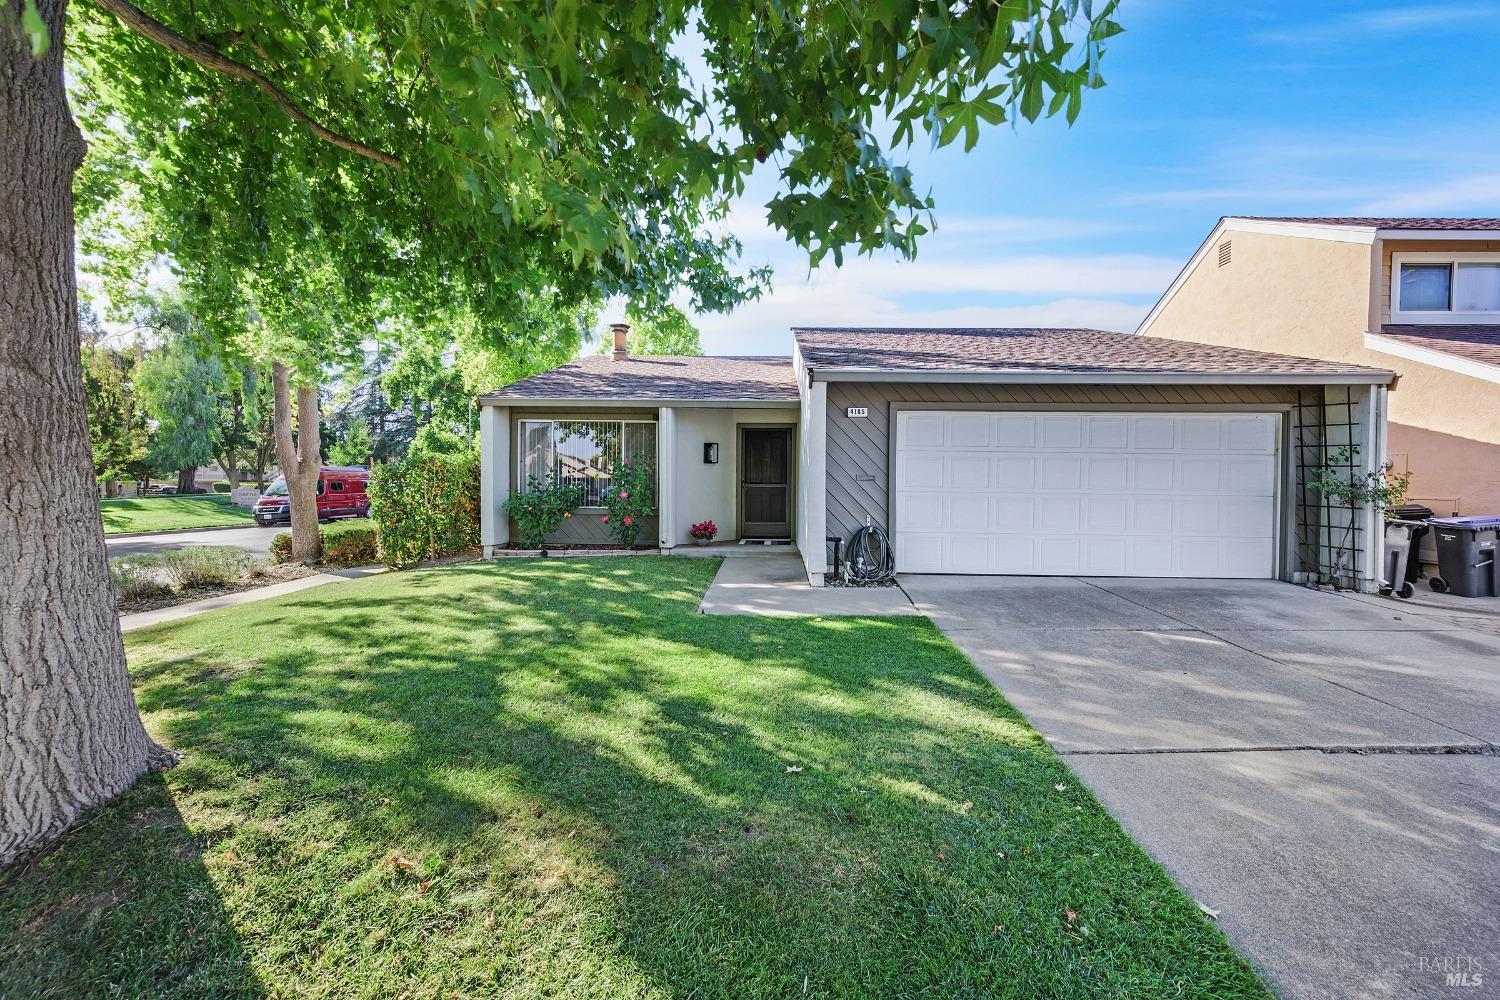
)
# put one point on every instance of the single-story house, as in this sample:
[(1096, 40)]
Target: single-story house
[(983, 451)]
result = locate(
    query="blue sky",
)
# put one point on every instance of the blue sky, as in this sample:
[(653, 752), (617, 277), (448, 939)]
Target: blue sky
[(1276, 108)]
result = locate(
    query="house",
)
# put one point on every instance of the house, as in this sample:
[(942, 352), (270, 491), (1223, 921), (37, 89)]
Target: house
[(990, 451), (1418, 296)]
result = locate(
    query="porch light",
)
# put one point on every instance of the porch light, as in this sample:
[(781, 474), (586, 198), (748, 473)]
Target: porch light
[(711, 453)]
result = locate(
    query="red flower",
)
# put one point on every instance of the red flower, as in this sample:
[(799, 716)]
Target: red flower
[(629, 519), (604, 519)]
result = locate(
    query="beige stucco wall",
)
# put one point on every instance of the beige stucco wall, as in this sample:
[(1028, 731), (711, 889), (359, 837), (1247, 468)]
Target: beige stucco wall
[(711, 492), (1317, 298)]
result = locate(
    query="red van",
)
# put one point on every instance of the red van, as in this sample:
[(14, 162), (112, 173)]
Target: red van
[(342, 492)]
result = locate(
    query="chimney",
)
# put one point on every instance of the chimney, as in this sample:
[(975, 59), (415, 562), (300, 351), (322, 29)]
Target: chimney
[(621, 331)]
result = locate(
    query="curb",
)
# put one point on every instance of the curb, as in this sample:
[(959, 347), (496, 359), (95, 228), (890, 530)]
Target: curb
[(181, 531)]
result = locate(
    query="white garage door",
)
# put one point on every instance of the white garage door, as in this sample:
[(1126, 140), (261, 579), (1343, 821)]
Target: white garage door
[(1099, 494)]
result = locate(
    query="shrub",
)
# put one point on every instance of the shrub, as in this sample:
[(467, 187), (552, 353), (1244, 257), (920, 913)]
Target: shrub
[(344, 543), (628, 500), (206, 566), (425, 507), (541, 510), (137, 577), (350, 543), (221, 486)]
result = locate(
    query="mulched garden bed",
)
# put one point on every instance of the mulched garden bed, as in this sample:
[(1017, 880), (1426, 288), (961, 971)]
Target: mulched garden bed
[(265, 575)]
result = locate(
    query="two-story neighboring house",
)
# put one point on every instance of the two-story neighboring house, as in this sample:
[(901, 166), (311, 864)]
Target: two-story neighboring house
[(1417, 296)]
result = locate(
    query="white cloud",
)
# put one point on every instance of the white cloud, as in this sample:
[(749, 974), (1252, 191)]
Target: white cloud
[(1382, 21), (1456, 195)]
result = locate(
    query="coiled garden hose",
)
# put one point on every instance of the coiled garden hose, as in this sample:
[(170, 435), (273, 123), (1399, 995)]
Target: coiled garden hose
[(871, 558)]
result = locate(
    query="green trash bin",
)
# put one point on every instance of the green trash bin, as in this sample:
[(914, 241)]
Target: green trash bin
[(1466, 555)]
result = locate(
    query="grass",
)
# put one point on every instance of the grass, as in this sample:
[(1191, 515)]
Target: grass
[(543, 778), (166, 513), (152, 574)]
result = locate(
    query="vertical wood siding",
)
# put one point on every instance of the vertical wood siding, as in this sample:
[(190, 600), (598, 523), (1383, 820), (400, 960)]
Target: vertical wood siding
[(858, 447)]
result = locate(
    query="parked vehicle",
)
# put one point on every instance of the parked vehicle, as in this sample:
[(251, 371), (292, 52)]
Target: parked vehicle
[(342, 492)]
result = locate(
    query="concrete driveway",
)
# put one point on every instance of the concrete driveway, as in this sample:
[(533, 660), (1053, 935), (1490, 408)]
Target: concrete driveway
[(1321, 770)]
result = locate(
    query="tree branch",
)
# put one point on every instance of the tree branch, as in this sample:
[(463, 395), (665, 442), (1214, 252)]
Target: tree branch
[(208, 57)]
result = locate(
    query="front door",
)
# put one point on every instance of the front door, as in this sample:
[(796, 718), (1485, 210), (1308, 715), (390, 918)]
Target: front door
[(766, 482)]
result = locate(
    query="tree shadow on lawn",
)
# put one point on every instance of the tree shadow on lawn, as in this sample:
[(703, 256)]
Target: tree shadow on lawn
[(553, 777), (121, 906)]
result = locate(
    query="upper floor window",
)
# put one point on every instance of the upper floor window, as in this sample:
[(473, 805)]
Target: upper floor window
[(1446, 288)]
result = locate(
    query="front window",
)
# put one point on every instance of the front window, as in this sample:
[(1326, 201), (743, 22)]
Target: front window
[(277, 488), (1452, 289), (583, 452)]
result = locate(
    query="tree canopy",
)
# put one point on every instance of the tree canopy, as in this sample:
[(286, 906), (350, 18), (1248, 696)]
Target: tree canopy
[(442, 155)]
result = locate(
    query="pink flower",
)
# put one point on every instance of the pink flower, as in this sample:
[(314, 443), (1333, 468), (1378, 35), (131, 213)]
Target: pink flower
[(624, 495), (604, 519), (629, 519)]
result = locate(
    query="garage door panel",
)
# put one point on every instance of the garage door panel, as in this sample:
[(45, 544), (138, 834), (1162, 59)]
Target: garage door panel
[(1108, 433), (969, 471), (1088, 493), (1061, 472), (1153, 433), (920, 511), (1062, 432), (969, 431), (1014, 472)]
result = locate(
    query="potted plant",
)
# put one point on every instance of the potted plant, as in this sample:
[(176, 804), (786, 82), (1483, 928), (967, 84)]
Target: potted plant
[(703, 532)]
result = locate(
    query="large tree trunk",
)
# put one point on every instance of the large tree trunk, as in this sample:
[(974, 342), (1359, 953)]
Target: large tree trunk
[(187, 479), (70, 734), (300, 463)]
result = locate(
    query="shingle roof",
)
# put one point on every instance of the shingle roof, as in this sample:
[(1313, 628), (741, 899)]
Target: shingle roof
[(1472, 343), (1380, 222), (660, 378), (1042, 350)]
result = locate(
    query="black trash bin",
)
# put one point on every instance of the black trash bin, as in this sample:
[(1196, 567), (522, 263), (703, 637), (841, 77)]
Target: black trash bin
[(1466, 555), (1420, 513), (1400, 546)]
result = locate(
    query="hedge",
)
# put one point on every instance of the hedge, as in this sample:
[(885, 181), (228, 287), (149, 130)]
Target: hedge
[(425, 507), (345, 543)]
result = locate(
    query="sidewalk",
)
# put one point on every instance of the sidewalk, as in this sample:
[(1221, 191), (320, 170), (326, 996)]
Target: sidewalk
[(143, 619)]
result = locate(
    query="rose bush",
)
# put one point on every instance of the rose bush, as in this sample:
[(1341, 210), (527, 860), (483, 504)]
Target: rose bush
[(628, 500)]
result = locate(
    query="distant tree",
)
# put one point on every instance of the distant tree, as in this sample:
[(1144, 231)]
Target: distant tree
[(433, 441), (181, 386), (662, 331), (118, 435), (354, 448), (243, 412)]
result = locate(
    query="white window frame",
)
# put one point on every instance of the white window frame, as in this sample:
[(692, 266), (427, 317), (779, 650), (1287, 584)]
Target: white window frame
[(1443, 317), (520, 434)]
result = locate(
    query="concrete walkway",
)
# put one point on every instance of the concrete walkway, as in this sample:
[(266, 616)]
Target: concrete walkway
[(775, 585), (1320, 770), (143, 619)]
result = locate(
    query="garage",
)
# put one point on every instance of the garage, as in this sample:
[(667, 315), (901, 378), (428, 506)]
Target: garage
[(1097, 493)]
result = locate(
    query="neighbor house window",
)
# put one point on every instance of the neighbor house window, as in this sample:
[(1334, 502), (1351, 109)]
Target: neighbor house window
[(1454, 289), (583, 453)]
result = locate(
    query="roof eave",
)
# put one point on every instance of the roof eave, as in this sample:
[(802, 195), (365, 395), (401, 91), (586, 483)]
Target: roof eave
[(500, 399), (1370, 376), (1432, 357)]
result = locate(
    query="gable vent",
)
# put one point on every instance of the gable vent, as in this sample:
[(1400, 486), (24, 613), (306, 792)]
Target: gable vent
[(1224, 253)]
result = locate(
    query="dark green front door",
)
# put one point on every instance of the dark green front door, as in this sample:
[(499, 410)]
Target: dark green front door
[(766, 482)]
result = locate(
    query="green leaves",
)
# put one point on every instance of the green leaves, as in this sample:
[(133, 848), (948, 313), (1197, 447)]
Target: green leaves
[(33, 27), (556, 149)]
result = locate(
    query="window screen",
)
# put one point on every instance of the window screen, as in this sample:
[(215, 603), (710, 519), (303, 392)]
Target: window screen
[(1476, 288), (583, 453)]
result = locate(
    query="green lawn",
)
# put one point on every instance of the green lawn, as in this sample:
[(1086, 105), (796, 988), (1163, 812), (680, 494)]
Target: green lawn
[(539, 778), (165, 513)]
